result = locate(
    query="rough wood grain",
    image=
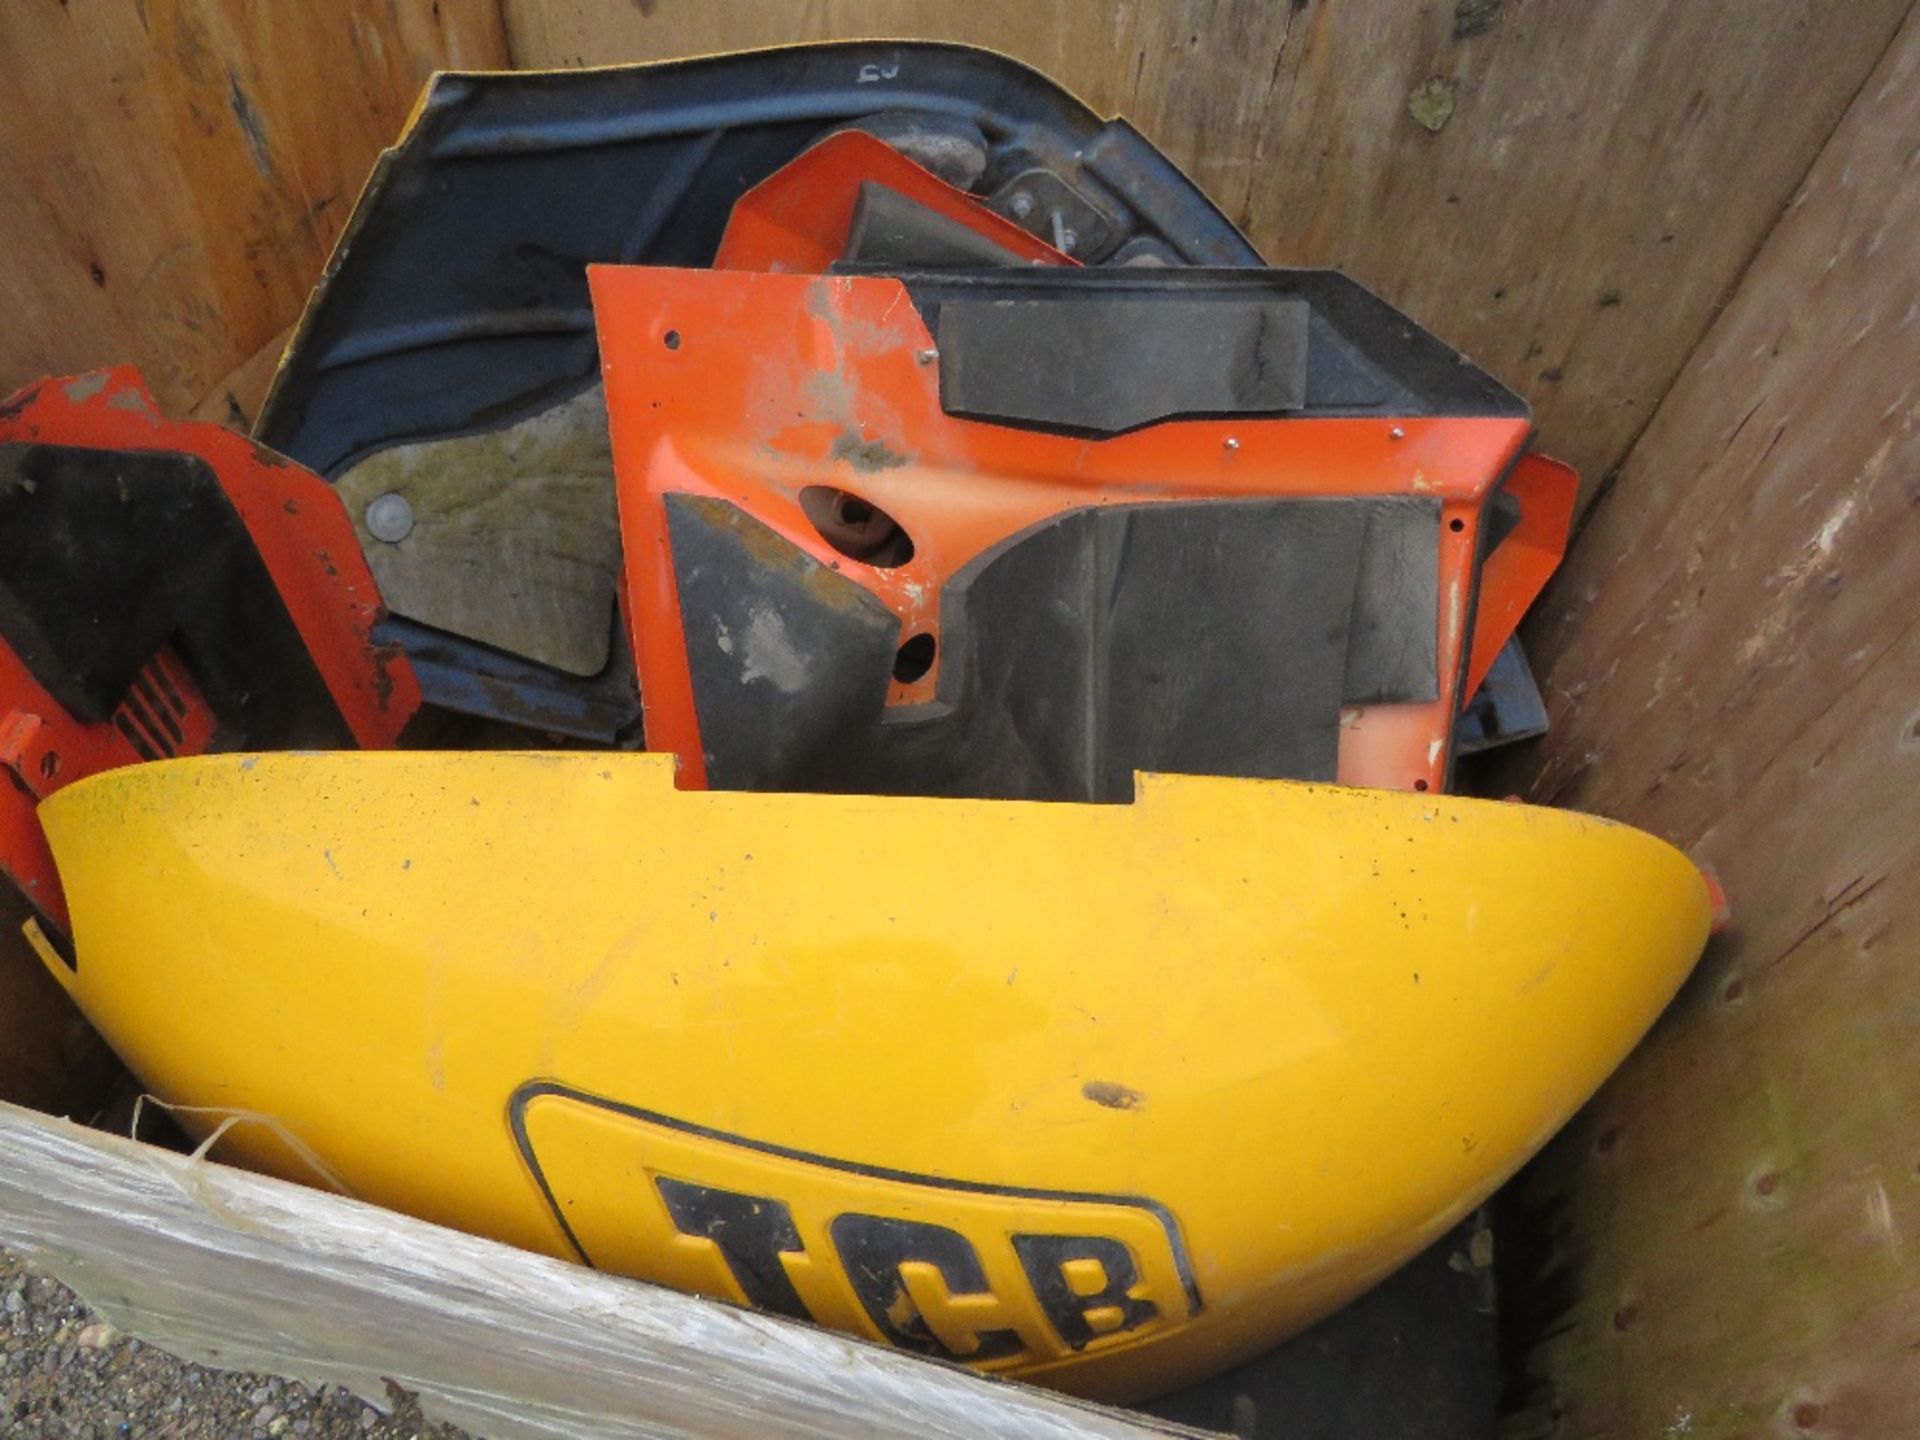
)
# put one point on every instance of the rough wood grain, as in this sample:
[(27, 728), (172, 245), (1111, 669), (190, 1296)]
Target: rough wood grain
[(244, 1272), (177, 169), (1732, 659), (1566, 189)]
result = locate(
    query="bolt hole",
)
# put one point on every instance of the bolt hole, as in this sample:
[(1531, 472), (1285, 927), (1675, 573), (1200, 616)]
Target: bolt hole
[(857, 528), (914, 659), (1456, 525), (672, 339), (1420, 785)]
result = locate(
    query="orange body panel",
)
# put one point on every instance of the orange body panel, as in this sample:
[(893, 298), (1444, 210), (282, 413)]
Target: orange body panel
[(293, 517), (798, 218), (306, 541), (753, 387), (1520, 566)]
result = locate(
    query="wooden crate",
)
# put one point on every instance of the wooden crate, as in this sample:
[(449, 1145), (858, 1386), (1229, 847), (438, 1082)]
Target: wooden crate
[(1684, 229)]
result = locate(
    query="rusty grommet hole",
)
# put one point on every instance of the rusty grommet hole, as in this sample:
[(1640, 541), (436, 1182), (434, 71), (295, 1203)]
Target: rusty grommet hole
[(1420, 784), (914, 658), (857, 528)]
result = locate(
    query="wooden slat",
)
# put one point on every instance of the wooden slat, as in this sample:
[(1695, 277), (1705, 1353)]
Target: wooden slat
[(1733, 660), (177, 170), (1604, 172), (244, 1272)]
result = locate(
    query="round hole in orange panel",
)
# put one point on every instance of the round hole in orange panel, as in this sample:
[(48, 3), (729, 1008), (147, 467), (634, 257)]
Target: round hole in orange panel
[(857, 528), (914, 658)]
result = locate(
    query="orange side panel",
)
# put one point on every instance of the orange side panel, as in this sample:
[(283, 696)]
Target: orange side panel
[(294, 517), (295, 521), (753, 387), (1520, 566)]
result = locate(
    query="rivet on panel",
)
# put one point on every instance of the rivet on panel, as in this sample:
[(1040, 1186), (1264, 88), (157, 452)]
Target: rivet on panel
[(389, 517)]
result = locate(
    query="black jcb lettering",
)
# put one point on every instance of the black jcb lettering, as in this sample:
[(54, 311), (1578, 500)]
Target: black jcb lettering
[(751, 1231), (873, 1248), (1071, 1309)]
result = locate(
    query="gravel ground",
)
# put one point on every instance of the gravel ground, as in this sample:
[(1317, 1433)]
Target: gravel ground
[(64, 1372)]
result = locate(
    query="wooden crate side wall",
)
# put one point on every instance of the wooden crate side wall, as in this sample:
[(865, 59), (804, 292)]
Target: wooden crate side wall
[(1732, 660), (177, 170)]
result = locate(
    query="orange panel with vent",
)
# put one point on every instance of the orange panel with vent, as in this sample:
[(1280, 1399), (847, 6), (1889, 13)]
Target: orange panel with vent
[(306, 542)]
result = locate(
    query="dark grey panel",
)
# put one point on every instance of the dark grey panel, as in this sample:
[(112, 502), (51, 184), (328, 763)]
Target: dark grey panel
[(1102, 363), (1390, 658), (1208, 637), (1363, 357), (890, 229), (1507, 707), (789, 660), (1226, 638)]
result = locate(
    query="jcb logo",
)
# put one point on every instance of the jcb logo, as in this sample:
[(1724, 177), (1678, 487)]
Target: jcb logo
[(999, 1278)]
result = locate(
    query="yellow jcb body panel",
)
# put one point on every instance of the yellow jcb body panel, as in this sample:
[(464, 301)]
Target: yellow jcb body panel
[(1103, 1096)]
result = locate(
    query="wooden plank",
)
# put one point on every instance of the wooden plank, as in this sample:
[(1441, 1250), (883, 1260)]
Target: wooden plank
[(1600, 174), (1733, 659), (245, 1272), (178, 169)]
